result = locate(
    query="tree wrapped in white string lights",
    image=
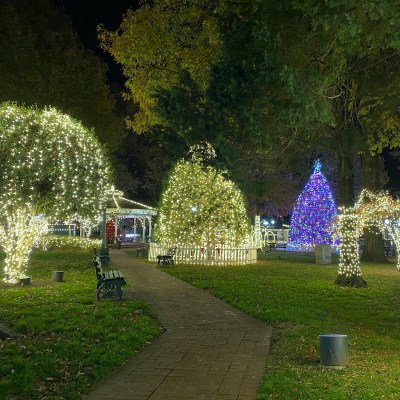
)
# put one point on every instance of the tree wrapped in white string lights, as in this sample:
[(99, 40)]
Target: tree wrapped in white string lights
[(52, 168), (200, 207), (349, 259), (371, 209), (379, 209)]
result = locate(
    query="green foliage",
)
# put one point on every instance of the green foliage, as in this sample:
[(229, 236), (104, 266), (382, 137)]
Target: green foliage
[(201, 207), (219, 84), (301, 302), (348, 61), (331, 71), (284, 78), (64, 341), (156, 43), (146, 162), (43, 62)]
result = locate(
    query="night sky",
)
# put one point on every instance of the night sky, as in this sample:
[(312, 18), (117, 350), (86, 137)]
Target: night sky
[(87, 14)]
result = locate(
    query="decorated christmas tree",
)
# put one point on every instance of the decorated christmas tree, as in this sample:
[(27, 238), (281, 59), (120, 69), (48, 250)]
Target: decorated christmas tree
[(313, 214)]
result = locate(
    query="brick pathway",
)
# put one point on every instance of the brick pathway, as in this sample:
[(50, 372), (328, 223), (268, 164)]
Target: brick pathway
[(210, 350)]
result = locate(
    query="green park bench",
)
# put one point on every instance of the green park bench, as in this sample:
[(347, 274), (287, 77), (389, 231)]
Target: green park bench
[(167, 259), (277, 245), (109, 283)]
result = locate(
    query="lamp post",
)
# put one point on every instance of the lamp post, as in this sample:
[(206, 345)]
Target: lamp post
[(105, 251)]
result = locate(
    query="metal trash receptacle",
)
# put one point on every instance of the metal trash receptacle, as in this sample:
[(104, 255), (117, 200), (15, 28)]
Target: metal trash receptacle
[(58, 276), (24, 280), (334, 350)]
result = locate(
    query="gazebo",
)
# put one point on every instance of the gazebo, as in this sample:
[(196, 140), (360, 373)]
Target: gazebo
[(128, 220)]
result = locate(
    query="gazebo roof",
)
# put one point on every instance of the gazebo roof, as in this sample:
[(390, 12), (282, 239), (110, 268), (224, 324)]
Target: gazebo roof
[(117, 205)]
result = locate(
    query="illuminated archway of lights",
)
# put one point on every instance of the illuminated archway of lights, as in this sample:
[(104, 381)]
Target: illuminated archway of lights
[(52, 168), (380, 210), (371, 209), (200, 207)]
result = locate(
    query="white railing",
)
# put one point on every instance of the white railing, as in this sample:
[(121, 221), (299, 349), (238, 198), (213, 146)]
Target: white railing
[(206, 255)]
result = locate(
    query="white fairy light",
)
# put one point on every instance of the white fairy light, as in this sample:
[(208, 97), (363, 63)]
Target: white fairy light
[(52, 166), (371, 209), (201, 207)]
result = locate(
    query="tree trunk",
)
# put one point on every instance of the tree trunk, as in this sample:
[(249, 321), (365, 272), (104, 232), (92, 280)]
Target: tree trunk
[(346, 180), (395, 234), (373, 241), (17, 238), (349, 262), (373, 246), (349, 273)]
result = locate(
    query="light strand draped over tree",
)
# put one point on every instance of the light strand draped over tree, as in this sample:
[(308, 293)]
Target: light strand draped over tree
[(349, 260), (201, 207), (378, 209), (52, 168), (313, 213), (372, 209)]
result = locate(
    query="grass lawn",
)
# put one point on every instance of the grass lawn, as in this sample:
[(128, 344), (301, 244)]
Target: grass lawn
[(64, 341), (300, 300)]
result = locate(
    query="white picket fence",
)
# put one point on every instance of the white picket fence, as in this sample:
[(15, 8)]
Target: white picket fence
[(206, 255)]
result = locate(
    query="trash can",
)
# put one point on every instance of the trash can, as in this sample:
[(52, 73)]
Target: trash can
[(24, 280), (334, 350), (58, 276), (323, 254)]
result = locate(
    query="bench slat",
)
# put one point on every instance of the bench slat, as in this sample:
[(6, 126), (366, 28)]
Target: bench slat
[(114, 274)]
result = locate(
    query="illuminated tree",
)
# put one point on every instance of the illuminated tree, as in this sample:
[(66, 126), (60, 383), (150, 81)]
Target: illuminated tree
[(52, 168), (201, 207), (349, 273), (313, 213)]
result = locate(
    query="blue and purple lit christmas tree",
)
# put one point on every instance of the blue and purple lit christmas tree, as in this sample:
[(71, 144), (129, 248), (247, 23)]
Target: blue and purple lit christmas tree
[(313, 213)]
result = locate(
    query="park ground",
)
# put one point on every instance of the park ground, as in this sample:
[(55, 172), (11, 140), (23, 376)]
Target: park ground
[(59, 331)]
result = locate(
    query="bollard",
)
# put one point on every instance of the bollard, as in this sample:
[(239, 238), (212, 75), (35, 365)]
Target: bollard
[(323, 254), (24, 280), (58, 276), (334, 350)]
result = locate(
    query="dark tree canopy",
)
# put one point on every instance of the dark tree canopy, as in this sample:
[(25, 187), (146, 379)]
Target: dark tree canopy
[(287, 78), (43, 62)]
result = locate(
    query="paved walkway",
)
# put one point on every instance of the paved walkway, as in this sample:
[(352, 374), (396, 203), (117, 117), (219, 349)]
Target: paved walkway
[(209, 351)]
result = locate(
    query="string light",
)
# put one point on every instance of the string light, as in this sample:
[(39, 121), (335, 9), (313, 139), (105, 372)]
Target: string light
[(349, 260), (382, 211), (371, 209), (200, 207), (53, 169), (313, 214), (393, 229), (117, 195)]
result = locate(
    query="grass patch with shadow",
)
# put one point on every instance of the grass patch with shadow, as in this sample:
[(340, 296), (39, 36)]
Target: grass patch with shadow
[(62, 340)]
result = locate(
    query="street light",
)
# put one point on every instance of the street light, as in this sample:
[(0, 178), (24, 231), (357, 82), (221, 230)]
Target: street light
[(267, 223), (105, 251)]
